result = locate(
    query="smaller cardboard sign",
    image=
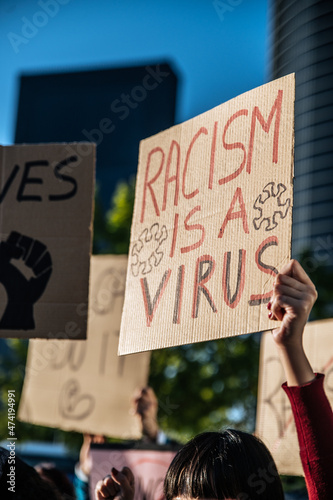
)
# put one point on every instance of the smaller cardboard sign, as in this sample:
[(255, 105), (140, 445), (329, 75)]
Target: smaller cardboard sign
[(86, 386), (211, 223), (46, 200), (275, 423), (148, 466)]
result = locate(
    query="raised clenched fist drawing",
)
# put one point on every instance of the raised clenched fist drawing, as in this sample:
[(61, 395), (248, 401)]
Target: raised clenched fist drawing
[(22, 293)]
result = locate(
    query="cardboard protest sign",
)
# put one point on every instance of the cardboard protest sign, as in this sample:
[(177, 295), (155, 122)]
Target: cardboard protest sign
[(211, 223), (86, 386), (46, 199), (275, 422), (148, 466)]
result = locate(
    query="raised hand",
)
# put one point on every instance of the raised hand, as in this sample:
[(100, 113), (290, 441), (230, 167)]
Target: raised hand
[(146, 407), (293, 297), (23, 293), (85, 455), (116, 486)]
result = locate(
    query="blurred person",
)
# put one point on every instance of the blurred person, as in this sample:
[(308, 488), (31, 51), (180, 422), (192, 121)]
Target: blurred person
[(25, 483), (50, 473), (84, 466)]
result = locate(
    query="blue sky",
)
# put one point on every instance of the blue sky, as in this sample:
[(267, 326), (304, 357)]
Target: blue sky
[(218, 48)]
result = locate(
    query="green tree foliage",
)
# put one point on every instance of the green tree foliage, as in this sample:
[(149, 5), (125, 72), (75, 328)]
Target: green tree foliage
[(207, 386)]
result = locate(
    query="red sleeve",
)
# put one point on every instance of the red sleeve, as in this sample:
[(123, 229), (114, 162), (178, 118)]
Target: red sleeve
[(314, 424)]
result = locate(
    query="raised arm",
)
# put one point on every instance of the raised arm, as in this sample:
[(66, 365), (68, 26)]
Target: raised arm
[(293, 298), (146, 407)]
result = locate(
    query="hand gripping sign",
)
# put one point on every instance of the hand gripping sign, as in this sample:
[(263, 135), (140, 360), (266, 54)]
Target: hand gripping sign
[(212, 222)]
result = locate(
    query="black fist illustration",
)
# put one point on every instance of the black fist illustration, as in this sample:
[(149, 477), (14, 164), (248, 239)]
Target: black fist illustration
[(22, 293)]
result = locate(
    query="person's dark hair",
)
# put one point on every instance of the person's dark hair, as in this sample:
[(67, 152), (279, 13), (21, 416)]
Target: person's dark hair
[(50, 473), (27, 485), (223, 465)]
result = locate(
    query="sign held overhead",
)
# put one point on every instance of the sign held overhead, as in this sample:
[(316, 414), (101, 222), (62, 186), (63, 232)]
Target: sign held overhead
[(211, 223)]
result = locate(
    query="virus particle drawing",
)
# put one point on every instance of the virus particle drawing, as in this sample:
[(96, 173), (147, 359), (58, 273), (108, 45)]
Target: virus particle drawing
[(271, 206), (147, 252)]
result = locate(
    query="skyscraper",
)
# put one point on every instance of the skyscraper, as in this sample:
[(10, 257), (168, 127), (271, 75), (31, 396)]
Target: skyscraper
[(302, 42)]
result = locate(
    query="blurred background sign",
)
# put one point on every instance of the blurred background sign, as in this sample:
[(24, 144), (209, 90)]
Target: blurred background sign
[(149, 464), (87, 386)]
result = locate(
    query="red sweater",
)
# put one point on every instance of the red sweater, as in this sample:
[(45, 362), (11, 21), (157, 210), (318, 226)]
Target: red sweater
[(314, 423)]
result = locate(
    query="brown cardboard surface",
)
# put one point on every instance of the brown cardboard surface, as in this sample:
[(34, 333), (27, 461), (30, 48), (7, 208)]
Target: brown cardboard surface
[(212, 222), (148, 466), (84, 386), (275, 423), (46, 201)]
